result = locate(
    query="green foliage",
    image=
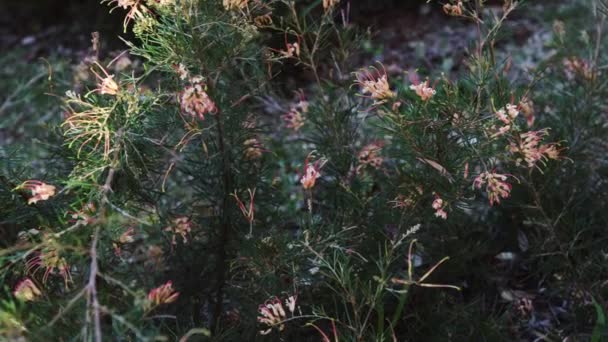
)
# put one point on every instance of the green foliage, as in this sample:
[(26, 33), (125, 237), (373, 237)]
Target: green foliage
[(236, 177)]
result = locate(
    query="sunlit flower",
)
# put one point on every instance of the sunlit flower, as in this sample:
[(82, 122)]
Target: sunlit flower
[(374, 84), (439, 206), (40, 191), (50, 261), (182, 227), (26, 290), (272, 313), (195, 101), (454, 10), (164, 294), (423, 90), (369, 155), (311, 173), (496, 186), (235, 4)]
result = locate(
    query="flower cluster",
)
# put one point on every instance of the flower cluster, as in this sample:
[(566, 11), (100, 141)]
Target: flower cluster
[(439, 206), (195, 101), (423, 90), (311, 173), (369, 155), (182, 227), (26, 290), (496, 186), (294, 119), (453, 10), (164, 294), (50, 261), (506, 115), (529, 147), (106, 84), (374, 85), (40, 190), (253, 149), (575, 66), (272, 313), (329, 4), (235, 4)]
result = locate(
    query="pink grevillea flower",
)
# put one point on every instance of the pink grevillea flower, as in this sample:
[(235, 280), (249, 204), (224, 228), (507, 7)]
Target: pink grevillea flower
[(374, 84), (195, 101), (369, 156), (182, 227), (507, 114), (329, 4), (85, 215), (422, 89), (294, 119), (272, 313), (311, 173), (496, 186), (50, 261), (439, 206), (164, 294), (574, 66), (453, 10), (26, 290), (40, 191), (531, 150), (106, 83)]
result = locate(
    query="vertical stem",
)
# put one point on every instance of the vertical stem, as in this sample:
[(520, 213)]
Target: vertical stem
[(225, 226)]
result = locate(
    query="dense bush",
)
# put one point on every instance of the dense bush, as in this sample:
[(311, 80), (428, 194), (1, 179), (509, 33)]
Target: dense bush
[(234, 176)]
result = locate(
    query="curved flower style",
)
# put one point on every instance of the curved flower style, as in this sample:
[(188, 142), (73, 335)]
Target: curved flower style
[(182, 227), (311, 173), (164, 294), (195, 101), (439, 206), (26, 290), (374, 85), (531, 150), (423, 90), (273, 314), (496, 186), (369, 155), (40, 190), (50, 261)]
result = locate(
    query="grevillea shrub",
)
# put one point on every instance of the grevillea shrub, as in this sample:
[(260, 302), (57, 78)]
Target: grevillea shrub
[(233, 175)]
